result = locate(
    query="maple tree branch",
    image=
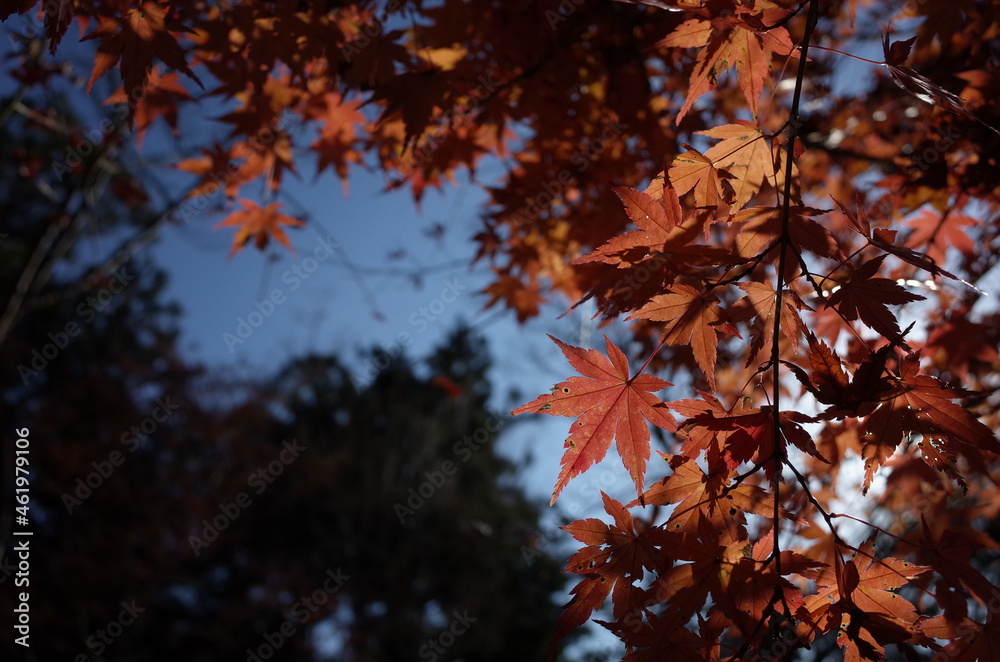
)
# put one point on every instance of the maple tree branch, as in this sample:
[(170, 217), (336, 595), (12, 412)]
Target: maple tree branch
[(783, 241), (819, 508)]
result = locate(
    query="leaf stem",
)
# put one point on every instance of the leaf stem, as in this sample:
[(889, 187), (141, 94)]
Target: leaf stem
[(834, 50)]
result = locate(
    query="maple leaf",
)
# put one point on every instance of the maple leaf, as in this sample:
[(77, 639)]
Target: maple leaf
[(761, 229), (827, 379), (660, 637), (938, 233), (259, 223), (523, 298), (657, 223), (214, 168), (692, 318), (745, 153), (135, 39), (884, 239), (735, 38), (162, 93), (695, 494), (919, 404), (615, 558), (609, 404), (338, 135), (739, 436), (871, 614), (58, 15), (915, 83), (692, 170), (415, 96), (866, 296), (588, 595), (758, 304), (662, 230), (949, 554)]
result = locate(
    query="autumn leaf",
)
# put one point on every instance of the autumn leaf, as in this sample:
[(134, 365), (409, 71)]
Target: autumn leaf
[(912, 403), (885, 239), (691, 319), (662, 231), (692, 170), (915, 83), (616, 556), (938, 232), (745, 153), (609, 404), (260, 224), (695, 494), (414, 97), (760, 231), (758, 305), (162, 94), (337, 143), (725, 42), (872, 615), (827, 379), (135, 39), (216, 169), (737, 435), (864, 295)]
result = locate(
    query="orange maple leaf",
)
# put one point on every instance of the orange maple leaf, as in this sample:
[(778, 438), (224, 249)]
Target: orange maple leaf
[(260, 223), (745, 153), (160, 100), (693, 317), (727, 40), (609, 404), (692, 170)]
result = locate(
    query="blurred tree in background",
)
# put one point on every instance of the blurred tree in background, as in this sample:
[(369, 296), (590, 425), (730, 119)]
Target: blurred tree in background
[(182, 516)]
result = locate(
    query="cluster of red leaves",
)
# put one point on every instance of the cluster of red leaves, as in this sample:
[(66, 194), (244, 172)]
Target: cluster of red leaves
[(765, 268), (703, 584)]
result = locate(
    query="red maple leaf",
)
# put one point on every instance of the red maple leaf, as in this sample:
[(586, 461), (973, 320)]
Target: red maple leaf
[(919, 404), (135, 39), (609, 404), (866, 296), (259, 223), (692, 317), (616, 556)]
